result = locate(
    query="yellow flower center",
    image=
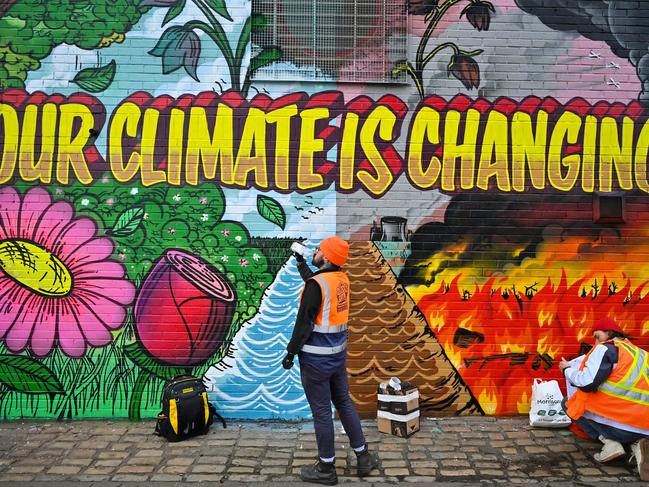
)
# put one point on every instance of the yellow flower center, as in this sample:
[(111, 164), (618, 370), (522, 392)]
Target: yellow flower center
[(35, 268), (106, 41)]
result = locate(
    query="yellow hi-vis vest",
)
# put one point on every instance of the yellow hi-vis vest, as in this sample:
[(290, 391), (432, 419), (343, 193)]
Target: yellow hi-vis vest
[(332, 319), (624, 396)]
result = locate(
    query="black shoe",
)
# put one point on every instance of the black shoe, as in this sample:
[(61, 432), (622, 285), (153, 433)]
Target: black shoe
[(366, 461), (320, 473)]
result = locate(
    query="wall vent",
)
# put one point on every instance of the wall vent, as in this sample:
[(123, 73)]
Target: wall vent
[(333, 40)]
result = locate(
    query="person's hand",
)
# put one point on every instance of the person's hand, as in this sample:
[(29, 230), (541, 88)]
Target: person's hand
[(287, 363), (564, 364), (298, 257)]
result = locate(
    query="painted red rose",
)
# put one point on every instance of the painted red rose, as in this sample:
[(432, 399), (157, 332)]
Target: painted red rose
[(184, 309)]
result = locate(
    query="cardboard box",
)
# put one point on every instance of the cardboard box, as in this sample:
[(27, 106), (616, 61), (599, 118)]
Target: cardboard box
[(398, 425), (398, 410), (404, 401)]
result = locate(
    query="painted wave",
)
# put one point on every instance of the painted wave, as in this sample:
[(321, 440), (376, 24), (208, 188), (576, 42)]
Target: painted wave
[(251, 384)]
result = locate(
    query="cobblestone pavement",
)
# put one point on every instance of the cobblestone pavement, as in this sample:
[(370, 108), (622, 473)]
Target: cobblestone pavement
[(470, 450)]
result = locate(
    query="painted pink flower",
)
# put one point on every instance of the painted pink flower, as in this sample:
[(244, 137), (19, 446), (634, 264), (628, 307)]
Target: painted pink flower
[(58, 285), (243, 262)]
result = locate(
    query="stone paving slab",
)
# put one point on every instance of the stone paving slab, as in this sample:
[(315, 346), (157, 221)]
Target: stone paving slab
[(415, 482), (455, 451)]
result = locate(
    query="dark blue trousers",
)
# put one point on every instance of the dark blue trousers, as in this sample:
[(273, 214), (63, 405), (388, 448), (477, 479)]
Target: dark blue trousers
[(321, 389)]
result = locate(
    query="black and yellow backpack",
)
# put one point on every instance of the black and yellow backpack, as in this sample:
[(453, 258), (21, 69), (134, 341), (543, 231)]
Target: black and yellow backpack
[(186, 412)]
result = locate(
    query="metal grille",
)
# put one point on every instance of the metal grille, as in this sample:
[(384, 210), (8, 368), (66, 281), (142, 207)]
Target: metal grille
[(339, 40)]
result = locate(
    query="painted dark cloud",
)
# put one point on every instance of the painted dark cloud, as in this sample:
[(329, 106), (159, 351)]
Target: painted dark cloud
[(505, 230), (622, 24)]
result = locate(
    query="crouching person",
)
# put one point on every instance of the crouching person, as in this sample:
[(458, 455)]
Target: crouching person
[(608, 395)]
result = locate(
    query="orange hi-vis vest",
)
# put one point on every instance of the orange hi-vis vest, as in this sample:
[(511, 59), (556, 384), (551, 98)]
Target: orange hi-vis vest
[(329, 333), (624, 396)]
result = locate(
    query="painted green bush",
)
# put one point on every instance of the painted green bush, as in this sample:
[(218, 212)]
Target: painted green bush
[(30, 29)]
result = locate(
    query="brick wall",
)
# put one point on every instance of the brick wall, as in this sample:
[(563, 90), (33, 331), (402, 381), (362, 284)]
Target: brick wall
[(153, 179)]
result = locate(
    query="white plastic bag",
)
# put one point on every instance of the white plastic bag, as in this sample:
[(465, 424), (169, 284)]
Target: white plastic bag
[(545, 411)]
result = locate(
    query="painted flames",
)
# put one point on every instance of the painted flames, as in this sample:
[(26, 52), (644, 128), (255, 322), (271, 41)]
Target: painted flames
[(517, 324)]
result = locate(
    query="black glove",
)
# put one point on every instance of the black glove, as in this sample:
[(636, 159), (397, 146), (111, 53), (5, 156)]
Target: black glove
[(298, 257), (287, 363)]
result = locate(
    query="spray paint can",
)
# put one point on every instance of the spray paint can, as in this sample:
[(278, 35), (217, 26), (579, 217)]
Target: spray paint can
[(298, 248)]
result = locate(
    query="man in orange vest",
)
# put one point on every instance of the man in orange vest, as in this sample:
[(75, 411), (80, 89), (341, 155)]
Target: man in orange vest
[(320, 341), (608, 394)]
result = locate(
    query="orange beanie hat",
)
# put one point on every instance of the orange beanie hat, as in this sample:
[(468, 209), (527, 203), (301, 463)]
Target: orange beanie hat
[(335, 250)]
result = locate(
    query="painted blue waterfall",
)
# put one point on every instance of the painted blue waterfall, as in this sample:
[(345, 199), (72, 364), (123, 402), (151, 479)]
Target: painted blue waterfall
[(252, 384)]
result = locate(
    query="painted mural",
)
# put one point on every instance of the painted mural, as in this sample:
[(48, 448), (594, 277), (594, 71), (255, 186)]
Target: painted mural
[(151, 184)]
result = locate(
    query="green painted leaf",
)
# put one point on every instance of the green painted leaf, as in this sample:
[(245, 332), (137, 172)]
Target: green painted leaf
[(169, 38), (128, 222), (174, 12), (98, 79), (267, 56), (220, 8), (258, 22), (400, 66), (271, 210), (140, 358), (25, 374)]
